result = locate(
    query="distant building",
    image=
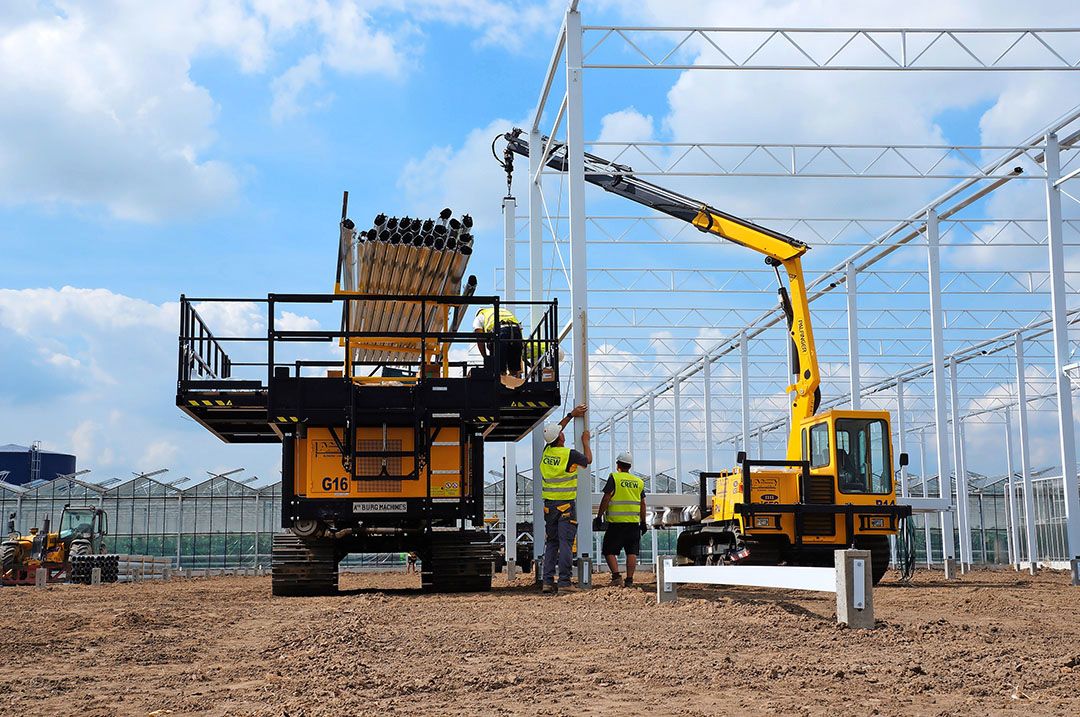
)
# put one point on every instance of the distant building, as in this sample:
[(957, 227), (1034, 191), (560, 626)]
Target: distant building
[(28, 463)]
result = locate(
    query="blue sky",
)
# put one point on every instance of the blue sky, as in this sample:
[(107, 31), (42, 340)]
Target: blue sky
[(202, 147)]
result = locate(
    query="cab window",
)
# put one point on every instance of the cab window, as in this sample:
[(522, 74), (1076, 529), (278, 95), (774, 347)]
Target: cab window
[(863, 464), (819, 445)]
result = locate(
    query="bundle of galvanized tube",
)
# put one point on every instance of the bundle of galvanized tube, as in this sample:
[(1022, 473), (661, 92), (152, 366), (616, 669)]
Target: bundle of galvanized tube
[(403, 256)]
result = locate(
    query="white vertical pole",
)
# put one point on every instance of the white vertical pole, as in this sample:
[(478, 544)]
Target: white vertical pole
[(744, 376), (612, 450), (652, 443), (1025, 453), (959, 471), (706, 387), (760, 444), (575, 159), (536, 293), (927, 535), (937, 350), (901, 434), (676, 412), (509, 206), (629, 429), (853, 335), (1010, 501), (1058, 310)]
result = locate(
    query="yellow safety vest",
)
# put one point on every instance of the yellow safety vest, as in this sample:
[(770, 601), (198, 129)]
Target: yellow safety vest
[(505, 317), (559, 482), (625, 504)]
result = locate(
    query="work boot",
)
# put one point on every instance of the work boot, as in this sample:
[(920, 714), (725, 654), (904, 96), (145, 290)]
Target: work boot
[(567, 588), (629, 582), (616, 580), (547, 588)]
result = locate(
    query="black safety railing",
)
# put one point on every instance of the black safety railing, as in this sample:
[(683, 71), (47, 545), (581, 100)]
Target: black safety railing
[(201, 355)]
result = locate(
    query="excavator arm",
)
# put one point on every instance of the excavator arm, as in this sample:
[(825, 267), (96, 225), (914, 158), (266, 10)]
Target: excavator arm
[(779, 249)]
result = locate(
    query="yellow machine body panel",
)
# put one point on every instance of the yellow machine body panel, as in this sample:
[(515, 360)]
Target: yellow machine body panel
[(850, 456), (320, 473)]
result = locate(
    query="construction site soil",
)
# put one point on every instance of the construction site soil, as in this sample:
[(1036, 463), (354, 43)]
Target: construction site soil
[(993, 642)]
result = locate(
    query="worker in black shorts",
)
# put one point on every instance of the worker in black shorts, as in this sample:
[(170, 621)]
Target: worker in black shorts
[(624, 505)]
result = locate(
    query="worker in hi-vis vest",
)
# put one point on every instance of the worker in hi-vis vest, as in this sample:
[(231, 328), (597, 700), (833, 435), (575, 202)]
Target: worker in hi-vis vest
[(558, 473), (624, 505), (508, 331)]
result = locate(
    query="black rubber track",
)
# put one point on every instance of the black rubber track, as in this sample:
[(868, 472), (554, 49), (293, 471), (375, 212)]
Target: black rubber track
[(303, 567), (457, 562)]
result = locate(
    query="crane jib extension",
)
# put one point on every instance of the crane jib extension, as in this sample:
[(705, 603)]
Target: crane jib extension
[(779, 250)]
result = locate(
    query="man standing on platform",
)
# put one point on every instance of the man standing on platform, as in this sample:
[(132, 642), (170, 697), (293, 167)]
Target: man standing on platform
[(558, 471), (624, 505)]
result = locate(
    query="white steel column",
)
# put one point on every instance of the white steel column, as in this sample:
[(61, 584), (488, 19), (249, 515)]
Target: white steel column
[(612, 450), (937, 350), (853, 335), (959, 471), (901, 435), (536, 293), (676, 413), (1010, 500), (575, 159), (1058, 308), (706, 388), (927, 535), (744, 380), (629, 429), (1025, 455), (652, 444), (509, 207)]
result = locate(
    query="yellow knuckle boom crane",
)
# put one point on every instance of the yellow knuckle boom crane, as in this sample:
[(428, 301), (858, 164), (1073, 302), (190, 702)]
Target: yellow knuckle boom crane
[(835, 487)]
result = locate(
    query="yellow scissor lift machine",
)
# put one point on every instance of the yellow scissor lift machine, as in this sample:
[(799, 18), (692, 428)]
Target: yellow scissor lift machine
[(383, 448), (835, 488)]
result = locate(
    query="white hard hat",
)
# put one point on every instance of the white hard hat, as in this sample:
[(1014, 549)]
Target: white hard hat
[(625, 458), (551, 432)]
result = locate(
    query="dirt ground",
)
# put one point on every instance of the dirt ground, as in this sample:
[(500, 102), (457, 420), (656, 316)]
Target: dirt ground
[(994, 642)]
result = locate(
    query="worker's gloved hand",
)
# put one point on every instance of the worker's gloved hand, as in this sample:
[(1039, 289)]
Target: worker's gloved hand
[(644, 528), (597, 523)]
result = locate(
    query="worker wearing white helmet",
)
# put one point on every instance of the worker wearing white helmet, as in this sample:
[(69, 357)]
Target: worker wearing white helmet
[(558, 471), (624, 505)]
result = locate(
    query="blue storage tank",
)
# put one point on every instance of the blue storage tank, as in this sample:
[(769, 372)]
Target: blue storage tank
[(27, 463)]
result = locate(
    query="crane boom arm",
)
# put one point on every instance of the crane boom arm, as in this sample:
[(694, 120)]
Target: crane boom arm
[(779, 250)]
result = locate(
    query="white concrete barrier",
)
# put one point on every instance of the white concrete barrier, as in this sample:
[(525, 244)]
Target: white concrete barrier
[(850, 579)]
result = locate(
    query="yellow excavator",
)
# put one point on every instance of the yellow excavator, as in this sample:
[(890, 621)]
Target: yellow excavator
[(835, 487)]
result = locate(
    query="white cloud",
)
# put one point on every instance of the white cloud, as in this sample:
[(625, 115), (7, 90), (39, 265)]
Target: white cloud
[(93, 372), (100, 108), (464, 178)]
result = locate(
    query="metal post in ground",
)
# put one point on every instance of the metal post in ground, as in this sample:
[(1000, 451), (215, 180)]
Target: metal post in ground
[(959, 473), (1025, 452), (937, 350), (1010, 497), (579, 301), (536, 294), (1062, 353), (509, 207)]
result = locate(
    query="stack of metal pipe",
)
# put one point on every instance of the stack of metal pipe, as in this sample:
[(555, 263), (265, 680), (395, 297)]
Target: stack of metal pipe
[(403, 256)]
